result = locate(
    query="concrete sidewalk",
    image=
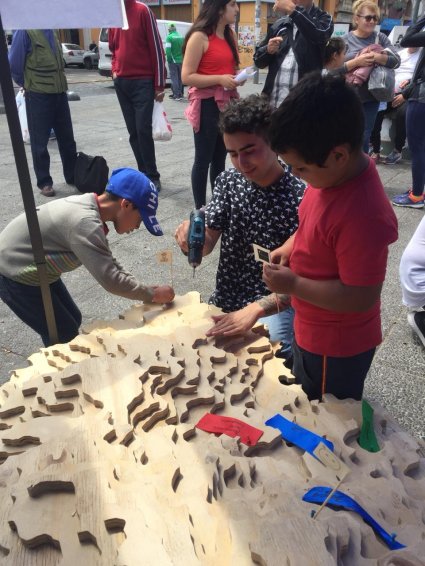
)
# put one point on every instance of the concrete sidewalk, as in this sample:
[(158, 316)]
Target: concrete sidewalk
[(397, 377)]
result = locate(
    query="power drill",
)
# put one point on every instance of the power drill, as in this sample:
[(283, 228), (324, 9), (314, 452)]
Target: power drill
[(196, 238)]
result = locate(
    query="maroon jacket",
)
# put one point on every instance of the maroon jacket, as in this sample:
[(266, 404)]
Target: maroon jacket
[(138, 52)]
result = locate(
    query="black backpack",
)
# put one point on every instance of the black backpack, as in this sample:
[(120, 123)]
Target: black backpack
[(91, 173)]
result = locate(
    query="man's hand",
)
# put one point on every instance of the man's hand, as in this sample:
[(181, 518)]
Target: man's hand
[(237, 322), (159, 96), (398, 100), (278, 278), (273, 45), (285, 6), (181, 235), (163, 294), (404, 83)]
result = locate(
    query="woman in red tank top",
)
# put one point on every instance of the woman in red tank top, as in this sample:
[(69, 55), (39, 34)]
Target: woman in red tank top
[(209, 67)]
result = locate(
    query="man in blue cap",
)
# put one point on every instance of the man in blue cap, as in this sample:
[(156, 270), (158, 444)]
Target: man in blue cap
[(74, 233)]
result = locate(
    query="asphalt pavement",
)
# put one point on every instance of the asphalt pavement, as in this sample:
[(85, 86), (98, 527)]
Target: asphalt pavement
[(397, 377)]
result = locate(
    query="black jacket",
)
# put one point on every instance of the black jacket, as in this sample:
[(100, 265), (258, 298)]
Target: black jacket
[(315, 27), (415, 37)]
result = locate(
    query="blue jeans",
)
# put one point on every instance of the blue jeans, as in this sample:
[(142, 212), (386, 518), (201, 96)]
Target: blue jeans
[(136, 98), (44, 112), (343, 377), (370, 110), (176, 79), (415, 125), (210, 151), (281, 329), (26, 302)]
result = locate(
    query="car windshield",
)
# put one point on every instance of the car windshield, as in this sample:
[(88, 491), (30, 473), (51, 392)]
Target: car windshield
[(104, 34), (73, 46)]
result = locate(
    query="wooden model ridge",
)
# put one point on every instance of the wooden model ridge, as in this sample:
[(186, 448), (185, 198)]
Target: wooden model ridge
[(101, 462)]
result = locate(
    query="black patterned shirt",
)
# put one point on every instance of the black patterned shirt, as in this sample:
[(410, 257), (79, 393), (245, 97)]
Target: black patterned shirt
[(247, 214)]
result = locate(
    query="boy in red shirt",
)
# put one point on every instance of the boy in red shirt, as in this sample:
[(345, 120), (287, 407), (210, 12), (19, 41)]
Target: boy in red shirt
[(333, 267)]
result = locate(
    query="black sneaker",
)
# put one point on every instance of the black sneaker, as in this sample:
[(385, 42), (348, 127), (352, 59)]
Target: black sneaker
[(417, 322)]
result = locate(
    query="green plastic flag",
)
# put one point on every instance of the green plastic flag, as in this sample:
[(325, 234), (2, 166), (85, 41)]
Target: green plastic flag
[(367, 438)]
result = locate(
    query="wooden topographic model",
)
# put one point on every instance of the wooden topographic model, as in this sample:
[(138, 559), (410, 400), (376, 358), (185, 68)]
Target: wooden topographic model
[(101, 463)]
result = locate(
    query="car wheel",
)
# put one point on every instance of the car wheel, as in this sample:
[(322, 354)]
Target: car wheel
[(88, 63)]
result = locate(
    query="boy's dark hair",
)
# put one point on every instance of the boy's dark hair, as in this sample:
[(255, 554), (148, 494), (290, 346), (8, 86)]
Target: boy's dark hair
[(334, 45), (319, 113), (251, 115)]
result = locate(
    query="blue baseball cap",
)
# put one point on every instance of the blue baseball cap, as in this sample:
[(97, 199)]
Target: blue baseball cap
[(137, 188)]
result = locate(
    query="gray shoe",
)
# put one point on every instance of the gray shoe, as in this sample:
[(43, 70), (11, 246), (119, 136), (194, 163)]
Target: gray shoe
[(47, 191), (417, 322), (393, 158)]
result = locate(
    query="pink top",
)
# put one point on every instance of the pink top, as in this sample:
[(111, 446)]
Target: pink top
[(195, 95)]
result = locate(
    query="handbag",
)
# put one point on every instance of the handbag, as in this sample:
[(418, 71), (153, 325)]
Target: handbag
[(381, 83), (161, 127), (90, 173)]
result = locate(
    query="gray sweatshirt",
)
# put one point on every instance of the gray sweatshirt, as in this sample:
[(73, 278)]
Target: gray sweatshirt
[(73, 234), (356, 44)]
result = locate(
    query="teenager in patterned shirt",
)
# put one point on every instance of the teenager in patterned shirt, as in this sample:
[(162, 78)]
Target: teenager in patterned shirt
[(254, 203)]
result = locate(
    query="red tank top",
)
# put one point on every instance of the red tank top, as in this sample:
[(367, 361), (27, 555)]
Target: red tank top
[(218, 58)]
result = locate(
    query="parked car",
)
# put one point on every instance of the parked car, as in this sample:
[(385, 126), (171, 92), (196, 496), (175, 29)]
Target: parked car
[(72, 54), (91, 58), (105, 56)]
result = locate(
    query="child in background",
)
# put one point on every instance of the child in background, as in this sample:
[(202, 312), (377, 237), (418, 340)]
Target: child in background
[(333, 267)]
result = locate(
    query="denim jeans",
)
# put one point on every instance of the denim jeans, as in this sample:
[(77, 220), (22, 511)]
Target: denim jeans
[(176, 79), (210, 151), (370, 110), (398, 115), (415, 125), (136, 98), (26, 302), (281, 329), (343, 377), (44, 112)]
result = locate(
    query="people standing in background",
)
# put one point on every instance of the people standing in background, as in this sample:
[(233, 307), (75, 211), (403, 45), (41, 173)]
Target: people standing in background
[(209, 67), (334, 58), (36, 64), (365, 17), (415, 119), (173, 51), (293, 46), (138, 71), (403, 74)]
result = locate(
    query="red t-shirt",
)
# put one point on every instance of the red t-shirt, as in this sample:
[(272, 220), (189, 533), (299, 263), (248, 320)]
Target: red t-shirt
[(344, 233), (218, 58)]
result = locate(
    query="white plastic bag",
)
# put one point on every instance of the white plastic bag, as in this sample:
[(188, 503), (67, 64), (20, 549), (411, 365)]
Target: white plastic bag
[(161, 127), (22, 112)]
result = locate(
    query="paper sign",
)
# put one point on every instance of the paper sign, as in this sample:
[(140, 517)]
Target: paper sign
[(330, 461), (62, 14), (261, 254), (165, 256)]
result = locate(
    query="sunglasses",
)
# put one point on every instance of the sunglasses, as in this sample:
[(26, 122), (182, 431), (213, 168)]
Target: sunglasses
[(369, 18)]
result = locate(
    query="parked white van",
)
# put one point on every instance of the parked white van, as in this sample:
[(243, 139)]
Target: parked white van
[(105, 56)]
